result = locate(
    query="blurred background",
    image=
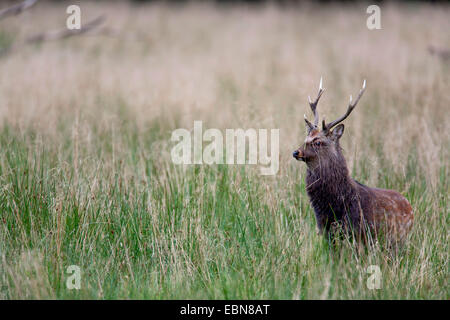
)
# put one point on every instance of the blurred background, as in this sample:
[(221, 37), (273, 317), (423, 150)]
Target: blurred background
[(85, 126), (234, 65)]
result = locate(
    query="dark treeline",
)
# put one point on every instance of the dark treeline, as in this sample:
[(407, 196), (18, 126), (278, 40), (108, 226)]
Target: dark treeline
[(287, 2), (281, 2)]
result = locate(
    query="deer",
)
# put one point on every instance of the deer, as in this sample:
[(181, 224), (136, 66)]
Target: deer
[(338, 200)]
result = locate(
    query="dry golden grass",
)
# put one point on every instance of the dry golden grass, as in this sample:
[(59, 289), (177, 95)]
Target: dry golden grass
[(241, 67), (81, 100)]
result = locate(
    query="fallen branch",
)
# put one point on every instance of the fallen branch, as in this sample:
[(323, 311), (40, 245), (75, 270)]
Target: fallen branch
[(442, 53), (66, 33), (16, 9)]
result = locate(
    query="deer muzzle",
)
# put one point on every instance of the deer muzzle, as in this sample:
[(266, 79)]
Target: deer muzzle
[(298, 155)]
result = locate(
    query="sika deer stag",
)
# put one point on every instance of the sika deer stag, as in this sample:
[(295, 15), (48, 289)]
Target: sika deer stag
[(337, 199)]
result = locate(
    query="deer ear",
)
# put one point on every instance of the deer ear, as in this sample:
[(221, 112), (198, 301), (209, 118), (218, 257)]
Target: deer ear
[(337, 132)]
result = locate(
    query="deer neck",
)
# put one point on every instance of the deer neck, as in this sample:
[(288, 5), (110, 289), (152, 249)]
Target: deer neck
[(329, 179)]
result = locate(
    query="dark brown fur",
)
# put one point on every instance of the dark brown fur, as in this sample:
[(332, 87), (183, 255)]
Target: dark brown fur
[(337, 198)]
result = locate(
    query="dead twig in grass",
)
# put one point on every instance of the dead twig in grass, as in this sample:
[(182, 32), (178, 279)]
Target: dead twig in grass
[(66, 33), (442, 53), (16, 9)]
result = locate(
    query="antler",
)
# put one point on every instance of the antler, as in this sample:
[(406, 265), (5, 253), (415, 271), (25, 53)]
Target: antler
[(351, 106), (313, 106)]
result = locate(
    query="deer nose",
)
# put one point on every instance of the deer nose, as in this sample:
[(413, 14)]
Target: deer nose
[(295, 154)]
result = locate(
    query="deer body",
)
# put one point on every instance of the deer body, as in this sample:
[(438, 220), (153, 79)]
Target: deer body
[(336, 198)]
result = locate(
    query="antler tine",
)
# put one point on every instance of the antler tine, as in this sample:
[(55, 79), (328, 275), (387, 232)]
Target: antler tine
[(350, 108), (313, 105), (310, 125)]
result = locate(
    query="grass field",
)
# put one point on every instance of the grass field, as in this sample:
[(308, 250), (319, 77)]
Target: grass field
[(86, 176)]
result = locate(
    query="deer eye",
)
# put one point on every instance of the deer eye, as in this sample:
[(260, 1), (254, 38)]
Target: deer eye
[(318, 143)]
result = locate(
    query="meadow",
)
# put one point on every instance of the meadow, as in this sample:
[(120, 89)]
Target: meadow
[(86, 176)]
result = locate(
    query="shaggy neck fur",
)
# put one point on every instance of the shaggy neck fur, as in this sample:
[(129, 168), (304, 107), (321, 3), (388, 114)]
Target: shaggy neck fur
[(332, 192)]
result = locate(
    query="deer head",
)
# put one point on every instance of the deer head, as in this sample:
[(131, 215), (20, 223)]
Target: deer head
[(323, 145)]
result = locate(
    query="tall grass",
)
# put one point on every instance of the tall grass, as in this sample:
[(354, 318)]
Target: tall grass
[(86, 177)]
